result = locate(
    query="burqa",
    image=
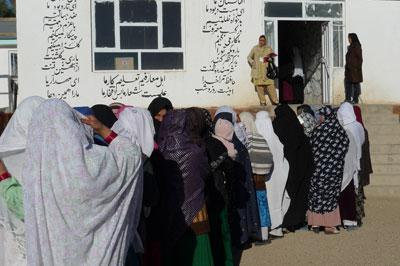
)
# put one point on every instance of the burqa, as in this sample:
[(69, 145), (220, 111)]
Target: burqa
[(298, 152)]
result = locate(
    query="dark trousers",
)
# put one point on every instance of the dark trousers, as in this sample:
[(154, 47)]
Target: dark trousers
[(352, 90), (298, 89)]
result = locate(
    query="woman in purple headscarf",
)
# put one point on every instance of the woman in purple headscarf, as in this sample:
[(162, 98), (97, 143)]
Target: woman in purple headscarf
[(186, 240)]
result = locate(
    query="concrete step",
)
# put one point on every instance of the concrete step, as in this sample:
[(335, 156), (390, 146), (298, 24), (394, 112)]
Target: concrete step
[(377, 130), (382, 191), (379, 118), (367, 109), (384, 148), (385, 139), (385, 158), (385, 179), (382, 122), (386, 168)]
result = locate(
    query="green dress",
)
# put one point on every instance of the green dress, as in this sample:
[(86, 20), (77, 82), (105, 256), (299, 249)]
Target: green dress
[(220, 237), (11, 191), (191, 250)]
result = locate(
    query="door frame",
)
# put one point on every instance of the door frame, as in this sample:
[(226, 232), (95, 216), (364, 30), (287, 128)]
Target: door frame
[(327, 87)]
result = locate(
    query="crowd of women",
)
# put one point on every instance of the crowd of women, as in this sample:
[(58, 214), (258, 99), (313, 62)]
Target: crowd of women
[(121, 185)]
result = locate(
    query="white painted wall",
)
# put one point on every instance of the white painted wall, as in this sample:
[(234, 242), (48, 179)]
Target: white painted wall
[(373, 21), (377, 24)]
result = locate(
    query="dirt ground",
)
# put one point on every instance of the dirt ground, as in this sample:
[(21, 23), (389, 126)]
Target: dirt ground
[(377, 242)]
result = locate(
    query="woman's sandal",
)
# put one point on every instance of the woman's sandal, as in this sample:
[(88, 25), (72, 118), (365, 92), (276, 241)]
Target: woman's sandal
[(331, 231)]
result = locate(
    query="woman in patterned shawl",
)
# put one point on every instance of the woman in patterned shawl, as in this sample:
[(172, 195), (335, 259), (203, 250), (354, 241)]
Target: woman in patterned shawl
[(308, 123), (77, 196), (330, 144), (185, 170)]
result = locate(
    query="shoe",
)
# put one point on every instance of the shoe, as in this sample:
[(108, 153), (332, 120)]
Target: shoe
[(329, 232), (263, 104), (315, 229), (351, 228), (304, 228), (273, 237), (263, 242)]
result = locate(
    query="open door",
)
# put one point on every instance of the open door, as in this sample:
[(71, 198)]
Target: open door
[(326, 62)]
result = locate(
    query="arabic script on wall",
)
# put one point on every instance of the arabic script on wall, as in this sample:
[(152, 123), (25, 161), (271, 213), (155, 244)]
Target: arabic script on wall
[(61, 61), (224, 21), (120, 86)]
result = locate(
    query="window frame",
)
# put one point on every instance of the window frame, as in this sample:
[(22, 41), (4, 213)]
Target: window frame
[(10, 67), (117, 48)]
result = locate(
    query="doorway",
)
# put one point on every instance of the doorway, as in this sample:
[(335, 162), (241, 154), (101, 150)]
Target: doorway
[(304, 62)]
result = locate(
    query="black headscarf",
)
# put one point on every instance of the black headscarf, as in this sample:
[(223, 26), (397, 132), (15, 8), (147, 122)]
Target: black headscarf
[(209, 122), (297, 151), (197, 124), (155, 107), (104, 114), (354, 38), (306, 108)]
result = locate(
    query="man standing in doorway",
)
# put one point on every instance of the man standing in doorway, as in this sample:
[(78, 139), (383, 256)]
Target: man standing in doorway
[(258, 59)]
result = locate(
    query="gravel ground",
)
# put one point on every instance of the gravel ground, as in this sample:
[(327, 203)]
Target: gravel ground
[(377, 242)]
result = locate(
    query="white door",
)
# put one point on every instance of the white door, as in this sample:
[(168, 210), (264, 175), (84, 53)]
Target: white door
[(326, 62)]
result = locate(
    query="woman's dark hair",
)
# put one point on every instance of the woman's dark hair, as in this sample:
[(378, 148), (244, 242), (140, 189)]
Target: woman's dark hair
[(354, 38), (262, 36)]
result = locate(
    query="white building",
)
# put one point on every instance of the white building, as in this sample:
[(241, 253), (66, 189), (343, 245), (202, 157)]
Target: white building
[(194, 51), (8, 63)]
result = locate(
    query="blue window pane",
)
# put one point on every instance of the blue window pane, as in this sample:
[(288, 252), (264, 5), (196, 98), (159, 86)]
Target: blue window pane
[(283, 10)]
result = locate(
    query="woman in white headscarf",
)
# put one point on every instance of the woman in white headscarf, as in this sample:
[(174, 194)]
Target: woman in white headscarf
[(12, 147), (137, 125), (278, 198), (350, 182), (77, 195), (261, 163)]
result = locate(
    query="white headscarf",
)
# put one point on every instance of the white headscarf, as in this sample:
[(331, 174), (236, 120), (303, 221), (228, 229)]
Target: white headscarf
[(350, 164), (137, 125), (276, 185), (13, 139), (12, 147), (77, 195), (240, 130), (248, 121), (348, 120)]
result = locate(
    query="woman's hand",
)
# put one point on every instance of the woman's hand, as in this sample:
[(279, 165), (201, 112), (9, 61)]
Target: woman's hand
[(97, 126), (2, 168)]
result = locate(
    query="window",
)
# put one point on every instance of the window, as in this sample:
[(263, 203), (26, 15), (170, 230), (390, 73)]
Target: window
[(338, 43), (324, 10), (13, 64), (270, 34), (285, 10), (137, 35)]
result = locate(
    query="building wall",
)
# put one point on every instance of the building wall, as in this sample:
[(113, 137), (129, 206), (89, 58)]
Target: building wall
[(79, 85), (377, 25), (4, 98)]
